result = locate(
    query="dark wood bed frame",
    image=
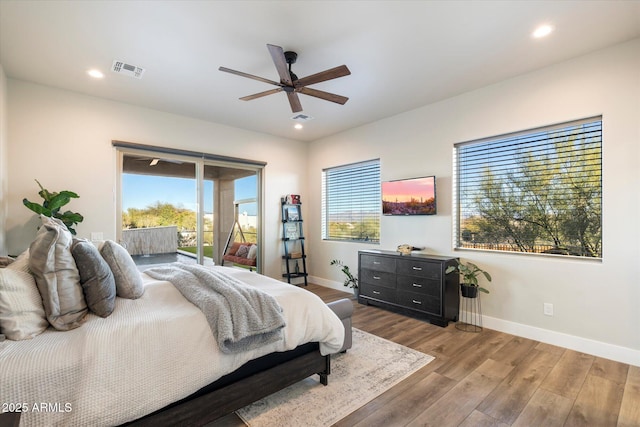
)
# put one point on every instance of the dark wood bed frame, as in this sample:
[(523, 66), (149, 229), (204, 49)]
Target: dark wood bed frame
[(250, 383)]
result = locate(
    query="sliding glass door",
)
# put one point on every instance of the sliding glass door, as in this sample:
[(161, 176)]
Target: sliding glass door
[(180, 208)]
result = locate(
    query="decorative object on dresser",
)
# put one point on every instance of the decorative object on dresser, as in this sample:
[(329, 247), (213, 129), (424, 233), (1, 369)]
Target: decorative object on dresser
[(295, 259), (407, 249), (415, 284)]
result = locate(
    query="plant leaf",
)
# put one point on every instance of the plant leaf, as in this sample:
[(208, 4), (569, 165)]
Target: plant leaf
[(39, 209)]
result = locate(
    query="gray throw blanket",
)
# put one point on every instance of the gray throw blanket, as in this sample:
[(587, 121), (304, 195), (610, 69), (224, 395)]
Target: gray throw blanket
[(240, 316)]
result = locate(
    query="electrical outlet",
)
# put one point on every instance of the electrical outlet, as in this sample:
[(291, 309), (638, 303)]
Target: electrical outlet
[(548, 309), (97, 236)]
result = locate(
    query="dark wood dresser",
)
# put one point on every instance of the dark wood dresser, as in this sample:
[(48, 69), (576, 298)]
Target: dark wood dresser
[(415, 284)]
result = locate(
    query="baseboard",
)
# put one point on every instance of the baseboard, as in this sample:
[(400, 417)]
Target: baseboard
[(583, 345), (572, 342), (329, 284)]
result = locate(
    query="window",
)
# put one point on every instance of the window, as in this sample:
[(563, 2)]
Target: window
[(538, 191), (351, 202)]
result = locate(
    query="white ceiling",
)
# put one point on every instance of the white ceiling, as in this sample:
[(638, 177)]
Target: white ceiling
[(402, 54)]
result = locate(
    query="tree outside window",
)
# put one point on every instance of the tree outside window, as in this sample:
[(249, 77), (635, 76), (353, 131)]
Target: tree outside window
[(537, 191)]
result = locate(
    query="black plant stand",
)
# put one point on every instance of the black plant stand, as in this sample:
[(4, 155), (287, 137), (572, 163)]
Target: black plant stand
[(470, 314)]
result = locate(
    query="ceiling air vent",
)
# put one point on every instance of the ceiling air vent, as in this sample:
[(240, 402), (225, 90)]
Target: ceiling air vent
[(127, 69), (301, 117)]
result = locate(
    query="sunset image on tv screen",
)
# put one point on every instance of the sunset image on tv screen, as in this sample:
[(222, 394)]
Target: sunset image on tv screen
[(415, 196)]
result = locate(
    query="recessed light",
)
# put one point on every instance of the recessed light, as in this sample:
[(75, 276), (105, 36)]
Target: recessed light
[(542, 31), (96, 74), (298, 126)]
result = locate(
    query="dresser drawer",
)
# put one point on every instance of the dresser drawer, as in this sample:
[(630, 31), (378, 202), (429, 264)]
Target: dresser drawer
[(378, 292), (420, 302), (378, 278), (419, 285), (378, 263), (412, 267)]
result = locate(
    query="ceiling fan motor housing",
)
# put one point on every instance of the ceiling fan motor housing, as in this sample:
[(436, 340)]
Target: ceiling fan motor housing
[(290, 57)]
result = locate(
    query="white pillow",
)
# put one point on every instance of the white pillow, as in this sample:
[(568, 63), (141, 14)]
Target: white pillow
[(21, 311), (253, 252)]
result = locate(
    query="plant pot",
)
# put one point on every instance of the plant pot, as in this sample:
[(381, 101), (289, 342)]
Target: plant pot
[(469, 291)]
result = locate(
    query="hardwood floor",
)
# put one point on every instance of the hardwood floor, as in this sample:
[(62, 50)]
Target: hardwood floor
[(490, 379)]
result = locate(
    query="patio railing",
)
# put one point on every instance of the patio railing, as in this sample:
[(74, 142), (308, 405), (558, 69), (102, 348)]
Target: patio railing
[(152, 240)]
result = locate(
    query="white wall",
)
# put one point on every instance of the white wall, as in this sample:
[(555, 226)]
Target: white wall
[(4, 173), (597, 304), (63, 139)]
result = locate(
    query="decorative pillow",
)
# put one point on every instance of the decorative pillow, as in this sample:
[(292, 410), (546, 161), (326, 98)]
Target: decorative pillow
[(233, 249), (253, 252), (126, 274), (57, 276), (21, 312), (243, 251), (96, 278)]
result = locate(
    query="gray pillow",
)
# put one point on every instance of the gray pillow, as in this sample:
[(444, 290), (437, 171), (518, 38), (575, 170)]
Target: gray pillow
[(21, 311), (243, 251), (125, 272), (96, 278), (57, 276)]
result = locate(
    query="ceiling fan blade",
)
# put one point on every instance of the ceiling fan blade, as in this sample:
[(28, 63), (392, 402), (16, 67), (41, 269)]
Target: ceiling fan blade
[(261, 94), (338, 99), (250, 76), (277, 54), (322, 76), (294, 101)]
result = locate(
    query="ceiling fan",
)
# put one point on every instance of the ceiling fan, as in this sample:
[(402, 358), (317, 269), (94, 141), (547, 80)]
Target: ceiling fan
[(289, 82)]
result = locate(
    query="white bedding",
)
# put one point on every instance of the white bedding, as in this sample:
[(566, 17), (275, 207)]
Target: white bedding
[(149, 353)]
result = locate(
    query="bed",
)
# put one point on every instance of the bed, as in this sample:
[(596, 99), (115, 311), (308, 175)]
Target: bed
[(155, 360)]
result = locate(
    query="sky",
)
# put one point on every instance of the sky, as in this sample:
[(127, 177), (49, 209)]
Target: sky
[(405, 190), (140, 191)]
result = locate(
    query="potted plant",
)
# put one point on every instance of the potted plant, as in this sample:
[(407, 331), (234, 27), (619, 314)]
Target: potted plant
[(469, 274), (52, 204), (350, 280)]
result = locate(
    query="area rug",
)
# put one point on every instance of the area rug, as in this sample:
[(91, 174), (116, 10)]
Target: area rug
[(369, 368)]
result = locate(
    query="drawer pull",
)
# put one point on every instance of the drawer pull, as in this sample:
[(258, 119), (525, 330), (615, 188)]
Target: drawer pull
[(376, 292), (417, 268), (376, 262), (417, 285), (416, 302), (376, 277)]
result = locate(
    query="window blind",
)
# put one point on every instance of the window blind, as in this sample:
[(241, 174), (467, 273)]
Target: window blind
[(351, 202), (535, 191)]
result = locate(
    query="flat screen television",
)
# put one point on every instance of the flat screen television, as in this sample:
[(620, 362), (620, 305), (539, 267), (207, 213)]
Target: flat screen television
[(414, 196)]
